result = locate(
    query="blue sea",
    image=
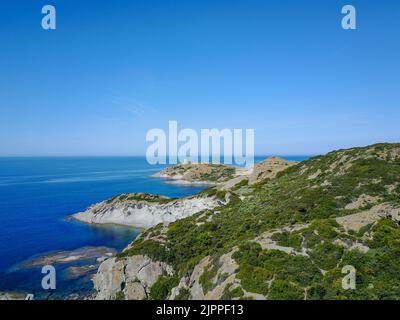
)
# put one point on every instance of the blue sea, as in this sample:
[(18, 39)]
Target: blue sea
[(37, 193)]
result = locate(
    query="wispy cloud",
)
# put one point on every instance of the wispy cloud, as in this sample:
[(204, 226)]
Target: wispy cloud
[(136, 108)]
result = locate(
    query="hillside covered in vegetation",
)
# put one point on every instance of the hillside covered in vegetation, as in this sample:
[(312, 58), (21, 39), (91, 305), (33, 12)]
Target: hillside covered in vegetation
[(287, 236)]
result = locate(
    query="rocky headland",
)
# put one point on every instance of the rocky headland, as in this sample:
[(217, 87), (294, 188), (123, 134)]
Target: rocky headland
[(144, 211), (285, 233), (219, 174)]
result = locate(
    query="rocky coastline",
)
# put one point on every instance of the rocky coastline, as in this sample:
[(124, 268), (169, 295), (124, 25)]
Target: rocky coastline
[(136, 210), (355, 218)]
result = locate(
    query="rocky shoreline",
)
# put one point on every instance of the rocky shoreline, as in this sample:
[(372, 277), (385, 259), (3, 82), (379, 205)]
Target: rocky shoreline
[(143, 213), (65, 257), (132, 277), (151, 267)]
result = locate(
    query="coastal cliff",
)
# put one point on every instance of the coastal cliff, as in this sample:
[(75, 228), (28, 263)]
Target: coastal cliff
[(286, 236), (145, 211), (130, 278)]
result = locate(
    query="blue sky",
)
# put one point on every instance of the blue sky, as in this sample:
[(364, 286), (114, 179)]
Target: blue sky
[(115, 69)]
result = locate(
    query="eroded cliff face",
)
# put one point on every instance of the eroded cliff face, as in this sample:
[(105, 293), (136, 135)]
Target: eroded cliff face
[(144, 213), (131, 278), (198, 287), (128, 278)]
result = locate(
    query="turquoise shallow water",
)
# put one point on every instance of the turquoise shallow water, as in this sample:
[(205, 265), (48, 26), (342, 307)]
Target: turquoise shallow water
[(37, 193)]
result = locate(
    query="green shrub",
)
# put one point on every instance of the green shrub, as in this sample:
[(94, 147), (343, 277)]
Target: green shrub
[(184, 294), (284, 290), (326, 255), (120, 295), (287, 239), (229, 293), (162, 287)]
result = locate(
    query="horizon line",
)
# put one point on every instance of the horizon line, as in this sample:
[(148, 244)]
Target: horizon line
[(144, 156)]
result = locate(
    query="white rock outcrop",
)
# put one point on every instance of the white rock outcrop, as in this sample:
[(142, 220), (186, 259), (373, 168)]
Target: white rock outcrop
[(227, 267), (129, 278)]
